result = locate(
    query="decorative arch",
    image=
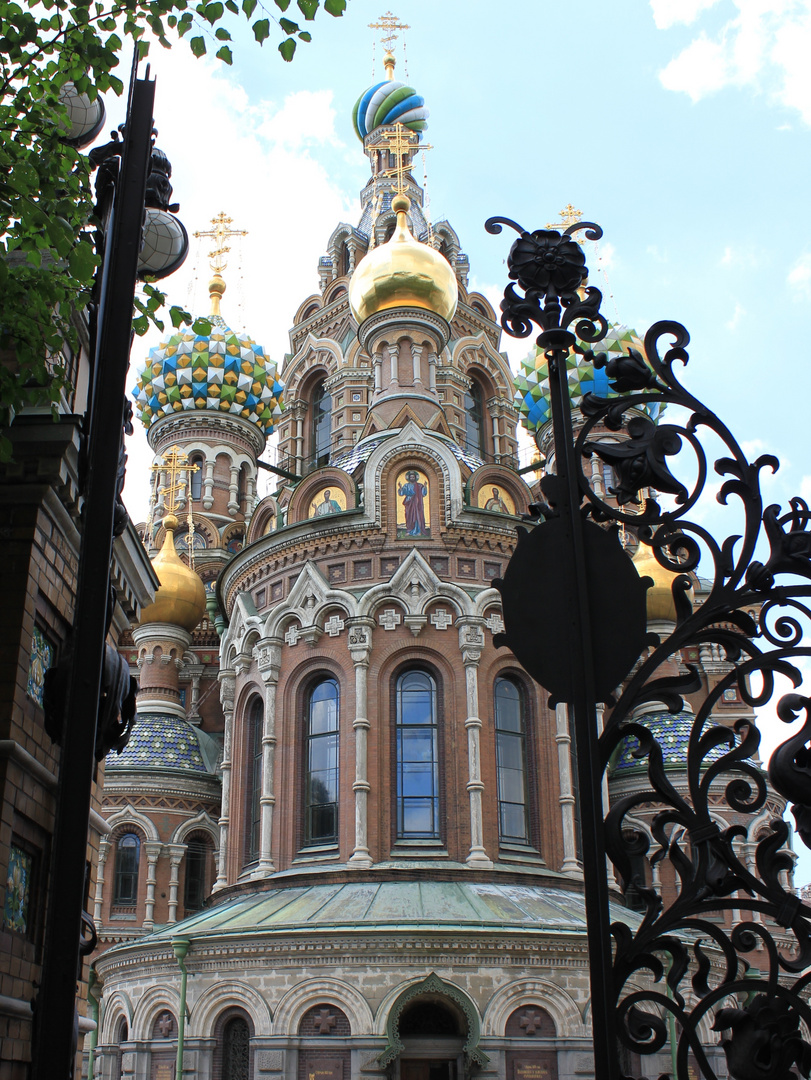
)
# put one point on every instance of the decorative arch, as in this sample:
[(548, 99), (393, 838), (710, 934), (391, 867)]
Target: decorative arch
[(154, 1001), (203, 822), (229, 995), (119, 1007), (432, 590), (554, 999), (436, 452), (265, 519), (311, 992), (434, 986), (128, 816)]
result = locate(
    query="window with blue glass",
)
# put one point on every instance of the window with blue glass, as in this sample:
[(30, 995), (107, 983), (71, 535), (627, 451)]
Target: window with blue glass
[(417, 753), (321, 424), (474, 419), (196, 481), (125, 885), (321, 758), (253, 800), (511, 761)]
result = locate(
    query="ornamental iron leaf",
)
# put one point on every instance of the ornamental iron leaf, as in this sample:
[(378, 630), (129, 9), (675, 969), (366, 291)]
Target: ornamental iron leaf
[(727, 946)]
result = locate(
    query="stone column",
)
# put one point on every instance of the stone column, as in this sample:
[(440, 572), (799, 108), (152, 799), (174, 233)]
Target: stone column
[(394, 358), (268, 653), (250, 499), (104, 851), (471, 643), (378, 371), (176, 853), (609, 866), (153, 850), (208, 485), (233, 490), (416, 354), (227, 682), (193, 715), (360, 648), (432, 361), (566, 798)]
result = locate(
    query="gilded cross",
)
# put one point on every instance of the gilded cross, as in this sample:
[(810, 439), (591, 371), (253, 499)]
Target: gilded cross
[(401, 142), (389, 24), (220, 233), (568, 216), (176, 465)]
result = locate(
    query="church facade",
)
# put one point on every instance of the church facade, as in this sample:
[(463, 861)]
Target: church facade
[(360, 856)]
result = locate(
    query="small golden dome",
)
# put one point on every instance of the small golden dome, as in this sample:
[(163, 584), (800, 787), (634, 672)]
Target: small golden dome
[(181, 598), (403, 273), (660, 595)]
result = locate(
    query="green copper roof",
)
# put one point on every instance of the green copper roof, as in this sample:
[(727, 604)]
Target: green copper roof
[(392, 905)]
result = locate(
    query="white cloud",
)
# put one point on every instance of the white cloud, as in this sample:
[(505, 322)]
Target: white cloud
[(765, 46), (737, 315), (307, 116), (667, 13), (799, 277), (737, 257), (606, 256)]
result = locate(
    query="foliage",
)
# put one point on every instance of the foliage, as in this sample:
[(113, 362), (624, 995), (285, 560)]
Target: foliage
[(47, 255)]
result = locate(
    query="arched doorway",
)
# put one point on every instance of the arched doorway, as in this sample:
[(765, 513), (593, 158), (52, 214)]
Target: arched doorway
[(433, 1033)]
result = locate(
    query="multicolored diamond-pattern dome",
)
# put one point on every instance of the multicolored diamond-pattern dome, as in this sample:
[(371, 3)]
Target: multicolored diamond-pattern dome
[(389, 102), (672, 732), (532, 381), (160, 742), (223, 371)]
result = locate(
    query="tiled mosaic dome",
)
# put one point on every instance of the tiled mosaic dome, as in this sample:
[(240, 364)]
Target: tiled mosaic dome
[(532, 381), (165, 742), (389, 102), (672, 732), (222, 371)]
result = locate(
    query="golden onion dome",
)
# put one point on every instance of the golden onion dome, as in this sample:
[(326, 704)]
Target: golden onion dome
[(660, 603), (181, 598), (403, 273)]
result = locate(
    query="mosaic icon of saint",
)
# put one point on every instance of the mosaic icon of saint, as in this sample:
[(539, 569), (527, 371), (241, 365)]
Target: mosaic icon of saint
[(496, 503), (413, 493), (327, 506)]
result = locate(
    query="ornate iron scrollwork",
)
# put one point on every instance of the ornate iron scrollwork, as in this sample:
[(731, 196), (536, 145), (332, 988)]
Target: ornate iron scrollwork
[(687, 961)]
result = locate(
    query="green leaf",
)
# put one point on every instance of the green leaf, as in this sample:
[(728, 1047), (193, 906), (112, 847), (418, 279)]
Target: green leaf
[(287, 48), (82, 261), (308, 8), (232, 6), (213, 12), (336, 8), (261, 30), (305, 36), (225, 55), (143, 49), (222, 34), (198, 46), (288, 26), (178, 316), (282, 5), (248, 6), (201, 326)]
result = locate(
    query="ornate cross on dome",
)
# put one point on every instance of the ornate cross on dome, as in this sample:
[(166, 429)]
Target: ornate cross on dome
[(568, 216), (389, 24), (401, 141), (220, 233), (178, 469)]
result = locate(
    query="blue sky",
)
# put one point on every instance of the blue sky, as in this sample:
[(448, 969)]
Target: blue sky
[(681, 126)]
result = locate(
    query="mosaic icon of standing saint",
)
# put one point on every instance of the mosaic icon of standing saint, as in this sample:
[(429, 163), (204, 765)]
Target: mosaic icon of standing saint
[(327, 501), (499, 502), (413, 511)]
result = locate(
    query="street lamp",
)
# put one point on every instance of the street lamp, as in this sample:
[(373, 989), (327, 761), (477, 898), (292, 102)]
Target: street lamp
[(91, 699), (574, 612)]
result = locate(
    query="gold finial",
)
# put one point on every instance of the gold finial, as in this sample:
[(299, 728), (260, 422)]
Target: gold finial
[(401, 143), (175, 463), (390, 25), (568, 216), (217, 261)]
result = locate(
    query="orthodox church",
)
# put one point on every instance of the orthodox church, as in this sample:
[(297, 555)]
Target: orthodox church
[(343, 840)]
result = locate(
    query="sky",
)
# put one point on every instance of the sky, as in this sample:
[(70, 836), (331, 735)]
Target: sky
[(680, 126)]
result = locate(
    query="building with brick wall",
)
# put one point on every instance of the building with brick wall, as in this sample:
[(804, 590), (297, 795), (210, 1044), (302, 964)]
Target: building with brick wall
[(394, 886), (40, 537)]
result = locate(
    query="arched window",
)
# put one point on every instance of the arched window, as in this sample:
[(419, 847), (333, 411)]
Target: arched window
[(196, 483), (253, 791), (322, 424), (511, 759), (125, 887), (474, 419), (236, 1062), (417, 750), (321, 764), (195, 887)]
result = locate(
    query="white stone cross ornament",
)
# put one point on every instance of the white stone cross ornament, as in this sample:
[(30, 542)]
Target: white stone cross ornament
[(292, 635), (390, 619), (441, 619), (495, 623), (334, 625)]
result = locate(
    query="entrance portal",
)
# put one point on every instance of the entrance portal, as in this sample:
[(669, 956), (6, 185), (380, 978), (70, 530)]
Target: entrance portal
[(427, 1070)]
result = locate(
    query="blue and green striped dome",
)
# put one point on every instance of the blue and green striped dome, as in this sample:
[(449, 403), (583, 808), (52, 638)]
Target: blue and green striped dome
[(389, 102), (222, 371)]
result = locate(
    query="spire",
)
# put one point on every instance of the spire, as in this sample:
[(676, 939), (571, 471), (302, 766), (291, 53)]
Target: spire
[(220, 233)]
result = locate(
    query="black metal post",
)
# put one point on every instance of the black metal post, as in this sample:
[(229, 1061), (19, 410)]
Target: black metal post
[(583, 705), (54, 1039)]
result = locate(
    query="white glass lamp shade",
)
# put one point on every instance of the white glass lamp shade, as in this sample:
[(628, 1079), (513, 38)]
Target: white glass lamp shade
[(166, 244), (85, 117)]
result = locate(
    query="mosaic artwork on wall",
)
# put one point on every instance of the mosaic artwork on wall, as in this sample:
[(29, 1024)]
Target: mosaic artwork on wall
[(17, 906), (327, 501), (495, 499), (413, 509), (42, 658)]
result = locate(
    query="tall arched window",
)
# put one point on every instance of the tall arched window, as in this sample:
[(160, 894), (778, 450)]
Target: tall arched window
[(417, 750), (253, 793), (322, 424), (125, 886), (511, 759), (321, 764), (474, 419), (196, 483), (236, 1055), (195, 887)]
